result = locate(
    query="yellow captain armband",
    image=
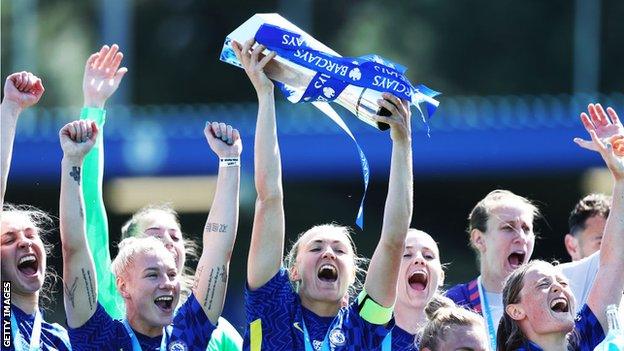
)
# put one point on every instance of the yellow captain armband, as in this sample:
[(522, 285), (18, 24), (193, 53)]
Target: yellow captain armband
[(373, 312)]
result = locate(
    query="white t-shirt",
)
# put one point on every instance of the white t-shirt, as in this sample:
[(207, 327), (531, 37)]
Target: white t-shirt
[(492, 310), (495, 302), (582, 275)]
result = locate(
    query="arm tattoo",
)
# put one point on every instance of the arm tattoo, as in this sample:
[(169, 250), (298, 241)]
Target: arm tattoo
[(80, 207), (217, 275), (86, 275), (75, 173), (70, 292), (216, 227), (223, 274), (198, 274)]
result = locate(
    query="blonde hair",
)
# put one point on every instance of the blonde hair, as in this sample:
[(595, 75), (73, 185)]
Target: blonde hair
[(130, 248), (443, 316), (359, 263), (132, 229)]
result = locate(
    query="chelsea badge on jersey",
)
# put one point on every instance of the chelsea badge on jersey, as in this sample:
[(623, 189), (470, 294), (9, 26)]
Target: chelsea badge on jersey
[(337, 337)]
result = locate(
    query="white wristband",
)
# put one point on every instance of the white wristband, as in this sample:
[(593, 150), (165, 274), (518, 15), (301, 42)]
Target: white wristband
[(229, 162)]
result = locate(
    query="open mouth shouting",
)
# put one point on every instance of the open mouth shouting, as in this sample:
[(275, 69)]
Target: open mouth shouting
[(516, 259), (28, 265), (164, 303), (560, 305), (418, 280), (327, 273)]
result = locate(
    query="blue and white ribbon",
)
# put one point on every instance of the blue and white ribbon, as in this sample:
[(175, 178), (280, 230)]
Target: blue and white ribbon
[(333, 75), (369, 71)]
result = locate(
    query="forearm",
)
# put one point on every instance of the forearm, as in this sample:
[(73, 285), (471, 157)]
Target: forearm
[(79, 278), (399, 201), (9, 113), (384, 268), (96, 218), (267, 237), (267, 161), (218, 242), (612, 244), (609, 283), (71, 207), (93, 174)]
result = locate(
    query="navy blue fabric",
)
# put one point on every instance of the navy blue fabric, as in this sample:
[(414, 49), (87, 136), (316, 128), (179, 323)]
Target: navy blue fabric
[(191, 327), (279, 309), (587, 333), (53, 336)]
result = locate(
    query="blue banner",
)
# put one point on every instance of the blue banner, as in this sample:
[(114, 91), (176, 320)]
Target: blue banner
[(334, 73)]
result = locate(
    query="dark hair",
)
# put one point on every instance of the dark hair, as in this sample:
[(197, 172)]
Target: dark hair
[(478, 217), (589, 206), (45, 226), (443, 315), (509, 336)]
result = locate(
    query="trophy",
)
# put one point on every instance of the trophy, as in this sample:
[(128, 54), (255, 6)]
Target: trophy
[(306, 70)]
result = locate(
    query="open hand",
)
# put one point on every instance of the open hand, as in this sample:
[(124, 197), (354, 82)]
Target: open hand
[(102, 76), (610, 147), (606, 125)]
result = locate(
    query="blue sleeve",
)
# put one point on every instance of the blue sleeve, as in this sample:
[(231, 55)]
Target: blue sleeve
[(361, 331), (191, 326), (459, 295), (270, 298), (100, 332), (588, 332)]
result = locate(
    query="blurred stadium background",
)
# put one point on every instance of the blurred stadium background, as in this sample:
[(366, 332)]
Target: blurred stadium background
[(514, 77)]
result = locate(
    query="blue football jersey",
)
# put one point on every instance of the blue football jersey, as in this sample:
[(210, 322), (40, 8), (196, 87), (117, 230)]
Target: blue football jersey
[(53, 336), (191, 330), (587, 333), (276, 320)]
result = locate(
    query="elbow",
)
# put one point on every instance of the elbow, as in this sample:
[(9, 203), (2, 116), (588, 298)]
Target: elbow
[(269, 200), (270, 195), (394, 244), (69, 251)]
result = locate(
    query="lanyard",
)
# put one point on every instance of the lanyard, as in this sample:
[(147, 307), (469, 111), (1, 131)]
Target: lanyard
[(135, 341), (35, 336), (386, 345), (487, 314), (308, 342)]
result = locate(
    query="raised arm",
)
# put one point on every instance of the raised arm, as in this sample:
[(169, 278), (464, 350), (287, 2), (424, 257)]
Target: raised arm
[(267, 236), (21, 90), (383, 271), (101, 79), (609, 283), (79, 277), (222, 223)]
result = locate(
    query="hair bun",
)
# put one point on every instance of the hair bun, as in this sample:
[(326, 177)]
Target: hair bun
[(437, 304)]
